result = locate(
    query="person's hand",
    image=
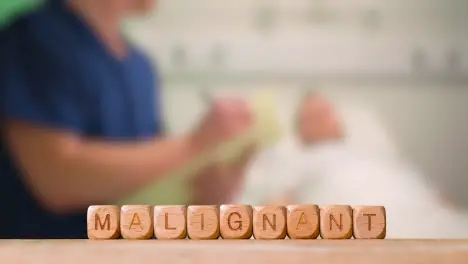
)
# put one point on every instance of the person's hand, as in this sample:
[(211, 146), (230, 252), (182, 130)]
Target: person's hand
[(226, 119), (220, 183)]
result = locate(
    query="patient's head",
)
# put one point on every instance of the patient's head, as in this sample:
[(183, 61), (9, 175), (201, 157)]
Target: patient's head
[(317, 120), (322, 119)]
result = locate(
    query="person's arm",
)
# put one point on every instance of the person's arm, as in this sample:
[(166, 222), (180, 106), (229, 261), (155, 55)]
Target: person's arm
[(66, 172), (43, 118)]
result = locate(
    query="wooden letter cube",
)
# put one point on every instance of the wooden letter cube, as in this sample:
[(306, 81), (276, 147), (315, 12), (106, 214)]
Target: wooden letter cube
[(303, 221), (136, 222), (269, 222), (236, 221), (203, 222), (170, 222), (103, 222), (369, 222), (336, 222)]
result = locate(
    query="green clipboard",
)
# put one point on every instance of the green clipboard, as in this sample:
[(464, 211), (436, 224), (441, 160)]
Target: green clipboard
[(265, 132)]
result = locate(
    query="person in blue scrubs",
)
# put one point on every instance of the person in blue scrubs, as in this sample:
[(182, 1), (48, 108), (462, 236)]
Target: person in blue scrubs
[(81, 121)]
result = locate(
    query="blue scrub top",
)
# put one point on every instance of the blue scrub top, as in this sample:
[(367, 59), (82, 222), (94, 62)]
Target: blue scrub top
[(55, 73)]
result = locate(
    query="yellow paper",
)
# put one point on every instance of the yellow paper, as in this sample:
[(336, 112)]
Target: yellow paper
[(265, 132)]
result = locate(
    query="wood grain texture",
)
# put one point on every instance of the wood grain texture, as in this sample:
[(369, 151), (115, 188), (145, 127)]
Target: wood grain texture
[(336, 222), (236, 221), (369, 222), (103, 222), (235, 251), (269, 222), (136, 222), (303, 221), (170, 222), (203, 222)]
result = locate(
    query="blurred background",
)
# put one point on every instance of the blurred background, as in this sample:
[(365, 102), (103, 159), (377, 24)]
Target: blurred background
[(406, 60)]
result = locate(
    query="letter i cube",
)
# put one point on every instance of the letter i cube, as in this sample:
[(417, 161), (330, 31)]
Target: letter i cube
[(203, 222)]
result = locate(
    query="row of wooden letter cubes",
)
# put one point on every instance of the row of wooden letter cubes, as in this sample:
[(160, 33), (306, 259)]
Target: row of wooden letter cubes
[(236, 222)]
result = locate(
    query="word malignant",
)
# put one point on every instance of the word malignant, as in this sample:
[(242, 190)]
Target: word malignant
[(236, 222)]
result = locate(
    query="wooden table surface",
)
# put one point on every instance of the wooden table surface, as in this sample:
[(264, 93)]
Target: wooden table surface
[(235, 251)]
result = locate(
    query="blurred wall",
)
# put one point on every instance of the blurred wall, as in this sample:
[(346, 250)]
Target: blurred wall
[(406, 60)]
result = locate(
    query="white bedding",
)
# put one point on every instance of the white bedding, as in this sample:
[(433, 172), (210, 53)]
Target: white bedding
[(354, 172)]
